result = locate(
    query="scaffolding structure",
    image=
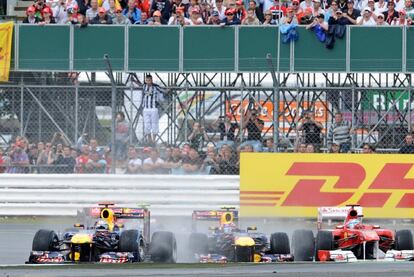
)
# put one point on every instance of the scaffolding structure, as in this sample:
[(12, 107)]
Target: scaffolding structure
[(378, 105)]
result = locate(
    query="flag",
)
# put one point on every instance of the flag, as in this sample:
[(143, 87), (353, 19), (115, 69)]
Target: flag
[(6, 31)]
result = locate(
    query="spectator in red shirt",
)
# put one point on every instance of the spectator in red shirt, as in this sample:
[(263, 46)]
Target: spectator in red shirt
[(82, 160), (240, 10), (143, 5), (3, 161)]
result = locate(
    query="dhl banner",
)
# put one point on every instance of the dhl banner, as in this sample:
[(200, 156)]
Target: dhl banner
[(6, 31), (295, 185)]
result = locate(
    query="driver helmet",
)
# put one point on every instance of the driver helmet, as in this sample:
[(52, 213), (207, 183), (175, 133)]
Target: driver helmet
[(352, 223), (101, 225), (228, 228)]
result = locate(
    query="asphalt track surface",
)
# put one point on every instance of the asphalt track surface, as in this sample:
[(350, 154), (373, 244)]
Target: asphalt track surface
[(364, 269), (16, 236)]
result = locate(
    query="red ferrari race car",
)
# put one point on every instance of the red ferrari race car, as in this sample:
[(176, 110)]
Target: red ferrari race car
[(110, 234), (351, 240)]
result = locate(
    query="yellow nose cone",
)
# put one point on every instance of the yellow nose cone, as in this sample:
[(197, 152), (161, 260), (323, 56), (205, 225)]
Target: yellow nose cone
[(244, 241), (81, 238)]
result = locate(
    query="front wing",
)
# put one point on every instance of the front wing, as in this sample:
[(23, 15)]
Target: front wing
[(399, 255), (265, 258), (56, 257)]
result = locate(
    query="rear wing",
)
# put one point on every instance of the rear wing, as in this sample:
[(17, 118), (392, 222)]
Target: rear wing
[(212, 215), (121, 212), (335, 213)]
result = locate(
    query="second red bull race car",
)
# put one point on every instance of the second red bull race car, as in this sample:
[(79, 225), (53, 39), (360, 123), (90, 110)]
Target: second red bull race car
[(118, 235), (226, 242), (352, 240)]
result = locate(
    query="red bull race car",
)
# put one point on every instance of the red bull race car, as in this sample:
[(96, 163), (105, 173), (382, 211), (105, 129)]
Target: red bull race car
[(226, 242), (352, 240), (107, 240)]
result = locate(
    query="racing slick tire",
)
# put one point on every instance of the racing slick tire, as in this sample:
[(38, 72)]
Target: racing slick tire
[(303, 244), (404, 240), (279, 243), (324, 241), (129, 241), (45, 240), (198, 244), (163, 247)]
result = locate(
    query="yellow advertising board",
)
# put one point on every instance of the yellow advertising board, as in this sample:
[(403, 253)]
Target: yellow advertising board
[(6, 31), (295, 185)]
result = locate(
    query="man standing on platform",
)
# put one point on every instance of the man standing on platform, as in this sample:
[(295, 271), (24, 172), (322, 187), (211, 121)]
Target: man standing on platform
[(153, 95)]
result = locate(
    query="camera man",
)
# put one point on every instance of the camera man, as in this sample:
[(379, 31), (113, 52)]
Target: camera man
[(311, 130), (254, 126)]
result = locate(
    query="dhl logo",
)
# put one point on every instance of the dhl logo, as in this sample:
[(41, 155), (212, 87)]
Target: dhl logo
[(296, 184)]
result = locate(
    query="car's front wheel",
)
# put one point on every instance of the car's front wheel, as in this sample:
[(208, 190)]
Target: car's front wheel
[(45, 240)]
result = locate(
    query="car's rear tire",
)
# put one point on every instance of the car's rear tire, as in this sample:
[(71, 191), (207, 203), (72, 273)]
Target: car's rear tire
[(45, 240), (163, 247), (303, 244), (129, 241), (198, 243), (279, 243), (324, 241), (404, 240)]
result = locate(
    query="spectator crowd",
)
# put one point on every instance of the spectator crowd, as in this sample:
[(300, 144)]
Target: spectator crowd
[(199, 154), (316, 14)]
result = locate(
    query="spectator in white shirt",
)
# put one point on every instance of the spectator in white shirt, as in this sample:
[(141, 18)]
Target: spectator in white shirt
[(154, 164), (399, 5), (92, 12), (306, 4), (381, 20), (220, 9), (368, 18), (380, 6)]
